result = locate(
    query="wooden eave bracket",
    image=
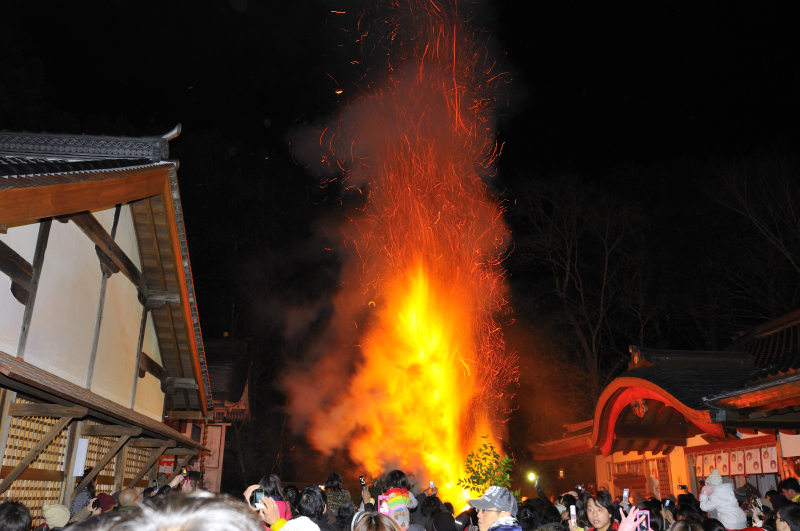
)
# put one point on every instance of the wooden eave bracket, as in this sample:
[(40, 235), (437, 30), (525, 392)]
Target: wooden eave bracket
[(19, 270)]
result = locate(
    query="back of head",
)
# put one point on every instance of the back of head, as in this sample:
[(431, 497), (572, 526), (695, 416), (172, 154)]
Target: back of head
[(686, 525), (312, 502), (429, 506), (198, 511), (334, 482), (128, 497), (712, 524), (375, 522), (55, 515), (344, 516), (14, 517), (444, 521), (292, 495), (527, 517), (396, 479), (790, 513), (550, 515), (272, 486)]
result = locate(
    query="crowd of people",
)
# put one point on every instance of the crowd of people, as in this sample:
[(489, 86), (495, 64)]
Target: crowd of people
[(392, 503)]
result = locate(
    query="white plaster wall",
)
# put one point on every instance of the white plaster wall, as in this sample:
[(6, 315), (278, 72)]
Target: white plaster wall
[(23, 240), (115, 362), (149, 398), (62, 324)]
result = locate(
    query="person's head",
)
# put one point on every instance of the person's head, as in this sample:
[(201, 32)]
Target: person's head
[(429, 506), (14, 517), (444, 521), (191, 483), (128, 498), (374, 522), (103, 503), (396, 479), (686, 511), (55, 515), (272, 486), (162, 478), (344, 516), (789, 487), (312, 502), (191, 512), (292, 495), (686, 525), (334, 482), (550, 515), (527, 517), (712, 524), (449, 508), (495, 503), (90, 485), (788, 518), (599, 510)]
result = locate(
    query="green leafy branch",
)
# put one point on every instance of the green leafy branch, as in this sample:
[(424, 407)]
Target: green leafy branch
[(485, 468)]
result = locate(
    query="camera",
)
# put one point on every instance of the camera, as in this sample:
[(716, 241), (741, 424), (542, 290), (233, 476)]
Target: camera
[(363, 483), (683, 487), (256, 497), (184, 471)]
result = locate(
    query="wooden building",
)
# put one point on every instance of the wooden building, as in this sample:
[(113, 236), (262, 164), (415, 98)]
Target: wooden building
[(99, 331), (674, 416)]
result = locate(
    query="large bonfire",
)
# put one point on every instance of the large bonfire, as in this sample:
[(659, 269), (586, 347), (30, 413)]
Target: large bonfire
[(425, 255)]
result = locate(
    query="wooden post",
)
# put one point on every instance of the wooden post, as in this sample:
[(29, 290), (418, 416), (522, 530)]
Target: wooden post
[(75, 433), (35, 451), (99, 466), (101, 301), (7, 397), (38, 260), (155, 453), (119, 469)]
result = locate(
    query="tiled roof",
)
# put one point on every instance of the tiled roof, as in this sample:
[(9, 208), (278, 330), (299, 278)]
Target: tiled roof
[(690, 386), (33, 376), (16, 166), (775, 347)]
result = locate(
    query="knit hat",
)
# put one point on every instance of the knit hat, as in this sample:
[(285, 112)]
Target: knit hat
[(55, 515), (714, 478), (105, 501)]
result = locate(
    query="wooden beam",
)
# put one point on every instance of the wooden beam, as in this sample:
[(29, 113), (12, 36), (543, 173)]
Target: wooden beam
[(159, 299), (189, 415), (170, 385), (119, 469), (99, 466), (154, 455), (38, 260), (110, 430), (7, 398), (151, 443), (46, 410), (95, 231), (73, 436), (35, 474), (182, 451), (148, 364), (17, 268), (178, 468), (36, 202), (34, 453)]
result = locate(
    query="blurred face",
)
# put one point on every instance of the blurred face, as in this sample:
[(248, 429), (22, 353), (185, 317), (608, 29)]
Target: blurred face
[(486, 517), (599, 517)]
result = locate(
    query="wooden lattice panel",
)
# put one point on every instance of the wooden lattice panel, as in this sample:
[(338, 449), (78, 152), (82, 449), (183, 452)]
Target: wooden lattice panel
[(25, 432), (98, 447), (136, 459)]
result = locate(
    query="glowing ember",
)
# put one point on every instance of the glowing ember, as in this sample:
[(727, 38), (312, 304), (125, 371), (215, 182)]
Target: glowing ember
[(433, 368)]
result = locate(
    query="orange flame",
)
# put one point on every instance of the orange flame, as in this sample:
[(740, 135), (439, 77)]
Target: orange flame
[(429, 241)]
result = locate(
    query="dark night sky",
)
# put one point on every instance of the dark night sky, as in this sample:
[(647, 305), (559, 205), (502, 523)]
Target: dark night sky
[(596, 85)]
